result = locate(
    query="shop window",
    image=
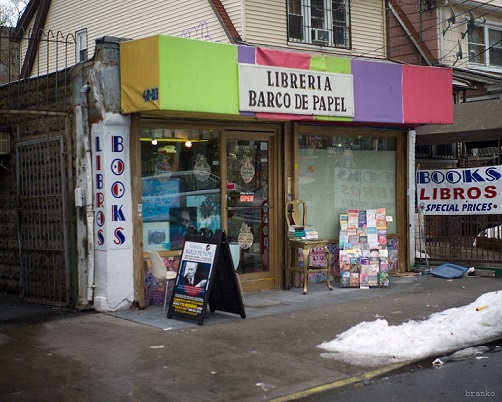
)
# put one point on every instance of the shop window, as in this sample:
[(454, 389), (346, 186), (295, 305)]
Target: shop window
[(337, 173), (180, 178), (319, 22), (485, 46)]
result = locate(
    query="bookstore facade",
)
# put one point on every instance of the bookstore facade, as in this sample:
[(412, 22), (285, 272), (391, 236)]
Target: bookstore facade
[(223, 135)]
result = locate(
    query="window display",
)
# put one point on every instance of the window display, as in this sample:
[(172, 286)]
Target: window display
[(180, 185), (336, 173)]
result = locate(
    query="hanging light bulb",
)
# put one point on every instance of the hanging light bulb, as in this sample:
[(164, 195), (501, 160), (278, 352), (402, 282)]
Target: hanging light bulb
[(188, 144), (154, 141)]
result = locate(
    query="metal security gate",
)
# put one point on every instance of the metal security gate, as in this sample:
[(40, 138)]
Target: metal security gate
[(465, 239), (42, 223)]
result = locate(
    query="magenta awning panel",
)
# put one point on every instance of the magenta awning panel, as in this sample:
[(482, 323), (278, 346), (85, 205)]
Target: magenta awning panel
[(279, 58), (427, 95)]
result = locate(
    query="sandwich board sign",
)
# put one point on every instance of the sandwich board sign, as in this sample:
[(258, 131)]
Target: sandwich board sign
[(206, 276)]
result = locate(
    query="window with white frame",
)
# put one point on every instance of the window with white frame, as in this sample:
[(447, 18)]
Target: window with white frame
[(319, 22), (81, 43), (485, 46)]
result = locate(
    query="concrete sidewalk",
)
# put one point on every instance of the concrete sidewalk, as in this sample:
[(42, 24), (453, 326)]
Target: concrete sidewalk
[(271, 354), (274, 302)]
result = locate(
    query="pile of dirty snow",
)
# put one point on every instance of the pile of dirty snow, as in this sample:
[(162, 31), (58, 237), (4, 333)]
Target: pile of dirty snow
[(377, 343)]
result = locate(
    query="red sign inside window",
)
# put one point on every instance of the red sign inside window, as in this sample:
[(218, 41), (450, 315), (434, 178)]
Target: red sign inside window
[(246, 197)]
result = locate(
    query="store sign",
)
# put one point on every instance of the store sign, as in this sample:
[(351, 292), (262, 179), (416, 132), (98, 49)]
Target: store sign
[(473, 191), (206, 275), (111, 217), (284, 90), (246, 197)]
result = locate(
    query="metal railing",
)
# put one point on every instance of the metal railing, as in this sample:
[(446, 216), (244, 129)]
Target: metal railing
[(33, 68)]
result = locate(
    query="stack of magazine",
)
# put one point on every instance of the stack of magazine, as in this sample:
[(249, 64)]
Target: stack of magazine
[(302, 232), (364, 257)]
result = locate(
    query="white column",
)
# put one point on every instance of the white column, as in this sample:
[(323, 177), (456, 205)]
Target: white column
[(411, 193), (114, 270)]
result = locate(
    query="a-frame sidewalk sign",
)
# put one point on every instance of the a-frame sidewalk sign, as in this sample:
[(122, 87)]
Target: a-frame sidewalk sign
[(206, 276)]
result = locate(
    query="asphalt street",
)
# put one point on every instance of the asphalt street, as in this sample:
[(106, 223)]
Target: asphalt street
[(50, 354), (477, 377)]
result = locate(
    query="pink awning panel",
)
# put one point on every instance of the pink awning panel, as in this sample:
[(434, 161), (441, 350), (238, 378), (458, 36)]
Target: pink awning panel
[(427, 95), (279, 58)]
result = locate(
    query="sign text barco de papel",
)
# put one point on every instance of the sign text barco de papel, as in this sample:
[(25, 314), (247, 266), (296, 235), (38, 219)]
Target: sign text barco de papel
[(292, 91)]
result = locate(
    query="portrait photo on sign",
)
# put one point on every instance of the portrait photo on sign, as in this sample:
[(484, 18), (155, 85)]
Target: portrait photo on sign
[(180, 220), (156, 236), (193, 278)]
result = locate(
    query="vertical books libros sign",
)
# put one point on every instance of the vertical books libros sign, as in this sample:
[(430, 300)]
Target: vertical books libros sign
[(112, 216)]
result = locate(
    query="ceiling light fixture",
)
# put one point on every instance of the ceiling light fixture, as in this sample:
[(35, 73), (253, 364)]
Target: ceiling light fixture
[(188, 144)]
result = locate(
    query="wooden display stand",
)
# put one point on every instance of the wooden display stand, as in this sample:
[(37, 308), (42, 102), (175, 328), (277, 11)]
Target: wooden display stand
[(296, 219), (306, 245)]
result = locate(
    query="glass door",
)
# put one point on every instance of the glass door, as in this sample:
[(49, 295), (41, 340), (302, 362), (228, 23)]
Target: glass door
[(247, 207)]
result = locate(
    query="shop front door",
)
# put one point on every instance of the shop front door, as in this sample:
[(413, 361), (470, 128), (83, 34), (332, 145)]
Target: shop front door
[(248, 207)]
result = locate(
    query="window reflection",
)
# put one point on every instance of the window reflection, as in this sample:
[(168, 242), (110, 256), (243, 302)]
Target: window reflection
[(337, 173), (180, 185)]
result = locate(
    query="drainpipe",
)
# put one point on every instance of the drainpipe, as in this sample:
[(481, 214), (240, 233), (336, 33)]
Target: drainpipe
[(89, 210)]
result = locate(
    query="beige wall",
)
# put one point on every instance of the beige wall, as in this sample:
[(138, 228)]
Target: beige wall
[(259, 22), (127, 19), (266, 24), (449, 41)]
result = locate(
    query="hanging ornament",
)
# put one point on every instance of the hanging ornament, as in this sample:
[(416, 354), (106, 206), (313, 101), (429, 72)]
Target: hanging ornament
[(162, 168), (201, 170), (265, 191), (247, 169), (245, 237)]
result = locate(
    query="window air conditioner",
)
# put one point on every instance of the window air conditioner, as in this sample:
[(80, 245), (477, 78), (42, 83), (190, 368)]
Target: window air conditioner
[(320, 36)]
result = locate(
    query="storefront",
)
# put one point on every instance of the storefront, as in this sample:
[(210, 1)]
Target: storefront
[(210, 176), (223, 135)]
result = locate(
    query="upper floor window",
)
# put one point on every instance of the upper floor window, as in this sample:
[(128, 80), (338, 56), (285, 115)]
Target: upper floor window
[(485, 46), (319, 22), (81, 43)]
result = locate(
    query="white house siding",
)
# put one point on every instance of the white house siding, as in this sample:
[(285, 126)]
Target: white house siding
[(368, 28), (453, 35), (128, 19), (234, 9), (266, 24), (260, 22)]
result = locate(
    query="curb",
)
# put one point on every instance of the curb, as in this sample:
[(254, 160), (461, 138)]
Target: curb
[(345, 381)]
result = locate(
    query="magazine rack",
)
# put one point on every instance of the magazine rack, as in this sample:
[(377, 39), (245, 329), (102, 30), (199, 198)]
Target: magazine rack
[(296, 214)]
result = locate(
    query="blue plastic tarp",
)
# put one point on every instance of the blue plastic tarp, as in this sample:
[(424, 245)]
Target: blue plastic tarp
[(449, 271)]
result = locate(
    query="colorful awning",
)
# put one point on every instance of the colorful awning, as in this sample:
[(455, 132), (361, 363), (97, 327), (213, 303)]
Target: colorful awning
[(165, 73)]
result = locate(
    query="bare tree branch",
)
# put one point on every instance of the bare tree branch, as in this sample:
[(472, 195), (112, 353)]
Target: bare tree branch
[(11, 11)]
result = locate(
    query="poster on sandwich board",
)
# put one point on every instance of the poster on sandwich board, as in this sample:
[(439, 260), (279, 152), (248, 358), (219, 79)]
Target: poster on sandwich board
[(206, 277)]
